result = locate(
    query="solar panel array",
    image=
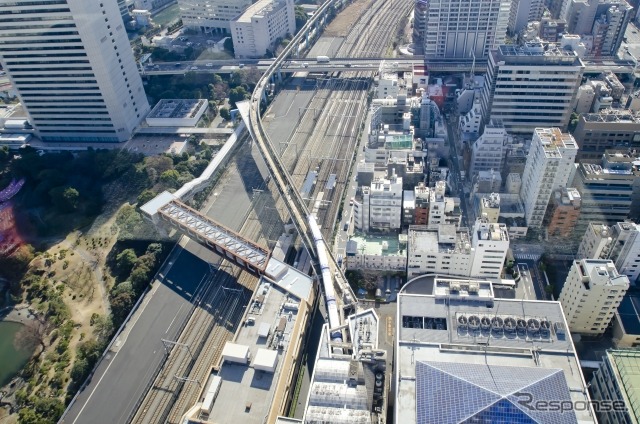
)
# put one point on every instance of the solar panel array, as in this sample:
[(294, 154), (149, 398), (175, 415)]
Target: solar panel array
[(478, 393)]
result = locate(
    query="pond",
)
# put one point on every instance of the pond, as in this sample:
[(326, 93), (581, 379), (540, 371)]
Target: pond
[(11, 358)]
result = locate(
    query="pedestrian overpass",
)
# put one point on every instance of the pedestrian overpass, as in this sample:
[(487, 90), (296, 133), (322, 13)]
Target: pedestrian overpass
[(167, 210)]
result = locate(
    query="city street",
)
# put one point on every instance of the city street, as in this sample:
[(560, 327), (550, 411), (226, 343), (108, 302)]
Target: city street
[(457, 185)]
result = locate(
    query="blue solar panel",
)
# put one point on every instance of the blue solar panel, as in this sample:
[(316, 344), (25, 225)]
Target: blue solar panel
[(501, 412), (477, 393), (435, 389)]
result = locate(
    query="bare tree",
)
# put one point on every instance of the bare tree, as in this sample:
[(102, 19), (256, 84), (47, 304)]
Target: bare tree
[(33, 333)]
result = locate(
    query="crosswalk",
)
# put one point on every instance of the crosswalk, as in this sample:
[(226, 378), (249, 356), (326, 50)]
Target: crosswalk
[(527, 256)]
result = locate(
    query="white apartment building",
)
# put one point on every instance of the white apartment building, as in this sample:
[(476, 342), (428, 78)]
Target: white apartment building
[(591, 295), (490, 242), (489, 150), (460, 29), (379, 208), (211, 16), (550, 165), (73, 68), (596, 242), (620, 243), (446, 250), (260, 26), (531, 86)]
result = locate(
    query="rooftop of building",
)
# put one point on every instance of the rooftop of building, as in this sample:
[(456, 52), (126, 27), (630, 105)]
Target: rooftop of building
[(490, 231), (176, 108), (553, 139), (536, 53), (600, 272), (342, 386), (379, 245), (491, 201), (611, 115), (596, 171), (271, 323), (260, 8), (446, 239), (626, 366), (511, 204), (458, 355), (599, 230), (567, 196)]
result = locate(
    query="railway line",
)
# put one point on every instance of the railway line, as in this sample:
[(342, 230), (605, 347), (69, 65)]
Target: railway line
[(325, 139)]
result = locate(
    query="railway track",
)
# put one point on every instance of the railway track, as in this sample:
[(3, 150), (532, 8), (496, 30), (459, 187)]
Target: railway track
[(337, 105)]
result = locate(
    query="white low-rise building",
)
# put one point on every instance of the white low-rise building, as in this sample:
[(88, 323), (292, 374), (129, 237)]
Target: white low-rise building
[(177, 112), (257, 29), (379, 208), (454, 252), (211, 16), (383, 253)]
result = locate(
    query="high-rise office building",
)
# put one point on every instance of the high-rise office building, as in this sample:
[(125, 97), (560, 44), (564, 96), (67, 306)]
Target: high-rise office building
[(549, 167), (610, 190), (591, 294), (73, 68), (461, 29), (531, 86), (211, 16)]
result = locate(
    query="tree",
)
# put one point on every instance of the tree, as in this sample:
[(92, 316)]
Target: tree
[(549, 288), (80, 370), (103, 328), (64, 199), (140, 277), (125, 261), (33, 333), (145, 196), (301, 17), (220, 91), (170, 178), (237, 94), (225, 114), (573, 122), (121, 304)]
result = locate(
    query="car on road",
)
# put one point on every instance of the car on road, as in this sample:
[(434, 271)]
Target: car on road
[(194, 68), (177, 65), (351, 201), (241, 65), (209, 65)]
